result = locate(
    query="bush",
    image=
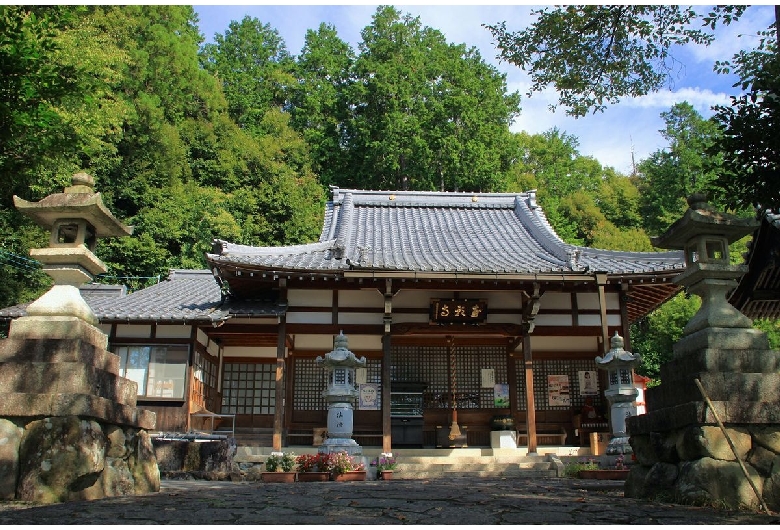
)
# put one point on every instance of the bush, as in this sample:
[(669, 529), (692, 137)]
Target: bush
[(573, 469), (280, 462)]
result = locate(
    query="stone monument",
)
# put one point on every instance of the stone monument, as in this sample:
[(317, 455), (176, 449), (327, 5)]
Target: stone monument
[(341, 396), (69, 426), (621, 392), (679, 445)]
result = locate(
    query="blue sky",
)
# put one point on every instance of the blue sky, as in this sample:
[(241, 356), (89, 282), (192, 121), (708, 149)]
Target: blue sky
[(609, 136)]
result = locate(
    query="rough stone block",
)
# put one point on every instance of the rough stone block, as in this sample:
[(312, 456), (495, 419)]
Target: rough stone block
[(15, 349), (711, 480), (10, 440), (67, 378), (143, 462), (763, 460), (61, 459), (708, 441), (767, 436), (721, 338), (57, 327), (720, 386)]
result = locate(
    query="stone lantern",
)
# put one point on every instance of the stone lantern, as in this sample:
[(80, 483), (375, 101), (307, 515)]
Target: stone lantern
[(69, 425), (341, 395), (621, 391), (704, 235), (76, 218)]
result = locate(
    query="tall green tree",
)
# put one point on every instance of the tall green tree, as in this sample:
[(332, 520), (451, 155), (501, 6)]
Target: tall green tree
[(594, 55), (255, 69), (320, 106), (427, 114), (668, 176), (750, 143)]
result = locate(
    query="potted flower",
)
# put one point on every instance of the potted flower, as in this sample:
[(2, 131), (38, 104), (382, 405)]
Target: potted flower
[(280, 467), (313, 468), (385, 465), (345, 468)]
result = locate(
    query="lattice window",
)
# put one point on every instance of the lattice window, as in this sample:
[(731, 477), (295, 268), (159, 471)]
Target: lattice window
[(469, 362), (248, 388), (431, 365), (310, 381), (555, 367)]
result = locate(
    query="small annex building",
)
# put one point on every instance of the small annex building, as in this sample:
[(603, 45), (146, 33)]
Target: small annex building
[(465, 303)]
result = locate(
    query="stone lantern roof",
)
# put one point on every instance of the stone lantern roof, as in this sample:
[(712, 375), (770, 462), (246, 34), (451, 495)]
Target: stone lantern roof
[(77, 201), (701, 220), (617, 356)]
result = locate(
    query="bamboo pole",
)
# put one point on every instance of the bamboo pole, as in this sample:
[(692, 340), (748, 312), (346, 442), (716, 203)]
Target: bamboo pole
[(733, 448)]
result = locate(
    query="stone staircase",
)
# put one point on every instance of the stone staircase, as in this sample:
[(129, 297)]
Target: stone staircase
[(437, 463)]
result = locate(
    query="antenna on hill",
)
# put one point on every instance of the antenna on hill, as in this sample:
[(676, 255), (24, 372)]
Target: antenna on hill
[(633, 161)]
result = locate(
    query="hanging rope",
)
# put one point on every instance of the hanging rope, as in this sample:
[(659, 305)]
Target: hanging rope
[(454, 429)]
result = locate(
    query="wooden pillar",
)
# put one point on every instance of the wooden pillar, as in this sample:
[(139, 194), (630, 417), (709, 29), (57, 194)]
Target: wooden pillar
[(530, 406), (279, 402), (529, 315), (511, 374), (387, 442), (601, 281), (625, 324)]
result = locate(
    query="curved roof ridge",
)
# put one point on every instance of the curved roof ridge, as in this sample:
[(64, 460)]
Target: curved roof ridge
[(344, 226), (427, 198), (225, 248), (531, 215)]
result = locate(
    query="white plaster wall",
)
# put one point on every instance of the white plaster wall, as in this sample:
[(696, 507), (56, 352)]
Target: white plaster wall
[(553, 320), (361, 318), (410, 318), (363, 298), (324, 343), (134, 331), (565, 344), (250, 351), (595, 320), (167, 331), (591, 301), (502, 319), (417, 298), (310, 298), (309, 318), (555, 301)]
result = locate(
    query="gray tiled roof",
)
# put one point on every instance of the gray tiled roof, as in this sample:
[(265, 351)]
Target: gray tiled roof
[(479, 233), (186, 296)]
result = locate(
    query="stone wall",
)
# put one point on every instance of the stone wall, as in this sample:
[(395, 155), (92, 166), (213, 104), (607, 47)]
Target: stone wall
[(69, 458), (213, 456), (696, 465)]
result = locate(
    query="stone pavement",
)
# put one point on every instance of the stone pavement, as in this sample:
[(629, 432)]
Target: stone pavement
[(450, 501)]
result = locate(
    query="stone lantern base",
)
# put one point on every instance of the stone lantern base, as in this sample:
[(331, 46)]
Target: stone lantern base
[(69, 424), (337, 445), (680, 449)]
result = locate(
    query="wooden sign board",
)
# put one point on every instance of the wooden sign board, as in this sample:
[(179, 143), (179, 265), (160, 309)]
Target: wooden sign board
[(458, 311)]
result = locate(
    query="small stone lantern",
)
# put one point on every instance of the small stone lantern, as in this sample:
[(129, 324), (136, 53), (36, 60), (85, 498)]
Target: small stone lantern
[(704, 235), (342, 396), (621, 392), (76, 218)]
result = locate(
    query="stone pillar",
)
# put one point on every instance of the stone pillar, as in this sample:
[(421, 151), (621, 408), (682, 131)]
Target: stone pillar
[(70, 422)]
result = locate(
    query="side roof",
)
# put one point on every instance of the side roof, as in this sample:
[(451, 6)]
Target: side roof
[(438, 232), (186, 296), (758, 293)]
